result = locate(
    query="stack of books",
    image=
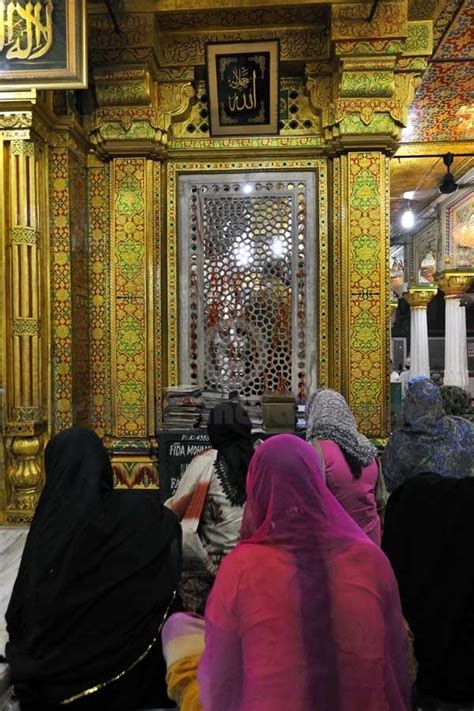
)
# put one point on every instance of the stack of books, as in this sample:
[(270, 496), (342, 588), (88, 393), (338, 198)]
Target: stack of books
[(181, 407)]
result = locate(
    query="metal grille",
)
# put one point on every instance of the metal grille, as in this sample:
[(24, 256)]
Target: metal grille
[(247, 271)]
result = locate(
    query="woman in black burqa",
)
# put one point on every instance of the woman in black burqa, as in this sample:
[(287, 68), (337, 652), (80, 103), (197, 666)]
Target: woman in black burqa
[(97, 576), (429, 540)]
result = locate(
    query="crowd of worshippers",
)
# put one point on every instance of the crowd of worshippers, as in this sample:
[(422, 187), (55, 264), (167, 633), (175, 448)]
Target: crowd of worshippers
[(288, 575)]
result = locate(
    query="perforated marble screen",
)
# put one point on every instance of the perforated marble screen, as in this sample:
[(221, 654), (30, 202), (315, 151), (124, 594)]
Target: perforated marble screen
[(247, 282)]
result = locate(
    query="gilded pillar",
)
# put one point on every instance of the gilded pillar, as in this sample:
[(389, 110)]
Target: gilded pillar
[(98, 191), (125, 335), (418, 297), (129, 131), (363, 100), (69, 274), (364, 343), (134, 182), (454, 283), (25, 316)]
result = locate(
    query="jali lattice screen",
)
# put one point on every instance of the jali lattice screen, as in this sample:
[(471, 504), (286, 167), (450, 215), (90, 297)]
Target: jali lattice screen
[(247, 275)]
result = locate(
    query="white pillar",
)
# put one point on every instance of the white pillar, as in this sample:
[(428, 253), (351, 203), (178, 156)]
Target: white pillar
[(454, 283), (455, 345), (419, 353), (419, 296)]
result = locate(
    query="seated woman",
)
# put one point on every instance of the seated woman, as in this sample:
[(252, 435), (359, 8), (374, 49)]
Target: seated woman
[(304, 613), (351, 469), (428, 440), (96, 579), (428, 537), (209, 501)]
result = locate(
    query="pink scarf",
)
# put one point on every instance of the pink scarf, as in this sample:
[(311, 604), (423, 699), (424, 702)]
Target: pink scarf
[(305, 612)]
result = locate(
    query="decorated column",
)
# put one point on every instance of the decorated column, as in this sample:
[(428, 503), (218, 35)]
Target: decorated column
[(136, 103), (418, 297), (454, 283), (69, 279), (378, 62), (42, 48), (25, 335)]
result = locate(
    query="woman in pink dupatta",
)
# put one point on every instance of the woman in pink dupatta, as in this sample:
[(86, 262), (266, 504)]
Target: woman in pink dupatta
[(305, 612)]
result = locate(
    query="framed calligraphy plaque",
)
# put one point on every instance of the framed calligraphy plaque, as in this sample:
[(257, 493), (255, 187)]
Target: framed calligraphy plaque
[(243, 86), (43, 44)]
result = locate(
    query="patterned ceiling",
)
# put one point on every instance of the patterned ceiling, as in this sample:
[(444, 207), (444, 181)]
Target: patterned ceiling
[(441, 118), (443, 109), (454, 40)]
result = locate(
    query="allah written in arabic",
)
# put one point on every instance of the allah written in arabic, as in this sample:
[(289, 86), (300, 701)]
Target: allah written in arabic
[(26, 31), (245, 88)]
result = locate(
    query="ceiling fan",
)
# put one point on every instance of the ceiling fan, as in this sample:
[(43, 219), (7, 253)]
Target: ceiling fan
[(448, 184)]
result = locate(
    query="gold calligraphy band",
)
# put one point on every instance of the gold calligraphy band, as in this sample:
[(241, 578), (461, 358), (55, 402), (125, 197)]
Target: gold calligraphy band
[(98, 687)]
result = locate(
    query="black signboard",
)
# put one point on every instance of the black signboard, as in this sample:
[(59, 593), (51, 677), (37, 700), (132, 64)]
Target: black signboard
[(176, 448)]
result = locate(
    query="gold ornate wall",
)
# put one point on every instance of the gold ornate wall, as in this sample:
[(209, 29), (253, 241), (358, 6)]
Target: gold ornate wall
[(94, 337)]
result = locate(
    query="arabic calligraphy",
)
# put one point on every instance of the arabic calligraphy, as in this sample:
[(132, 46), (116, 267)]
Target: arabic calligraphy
[(245, 87), (239, 78), (26, 31)]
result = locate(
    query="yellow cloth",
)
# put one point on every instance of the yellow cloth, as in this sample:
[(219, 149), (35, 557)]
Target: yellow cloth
[(182, 683)]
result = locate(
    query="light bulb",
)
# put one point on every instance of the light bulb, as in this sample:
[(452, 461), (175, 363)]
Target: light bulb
[(408, 219), (247, 188)]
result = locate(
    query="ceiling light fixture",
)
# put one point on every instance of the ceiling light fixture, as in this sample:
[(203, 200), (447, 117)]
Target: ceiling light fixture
[(408, 218)]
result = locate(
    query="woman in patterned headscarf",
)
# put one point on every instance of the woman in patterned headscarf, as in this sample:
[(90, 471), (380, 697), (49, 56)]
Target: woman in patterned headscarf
[(428, 440), (349, 458)]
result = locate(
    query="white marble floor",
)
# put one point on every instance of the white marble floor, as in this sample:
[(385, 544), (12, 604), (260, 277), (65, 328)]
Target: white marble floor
[(12, 541)]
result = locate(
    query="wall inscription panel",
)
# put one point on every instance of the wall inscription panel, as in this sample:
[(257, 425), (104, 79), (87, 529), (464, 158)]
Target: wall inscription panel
[(43, 44)]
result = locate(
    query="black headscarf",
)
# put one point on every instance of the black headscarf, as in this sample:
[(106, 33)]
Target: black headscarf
[(230, 432), (98, 571), (429, 539)]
